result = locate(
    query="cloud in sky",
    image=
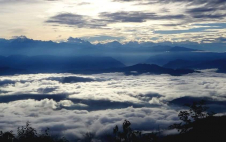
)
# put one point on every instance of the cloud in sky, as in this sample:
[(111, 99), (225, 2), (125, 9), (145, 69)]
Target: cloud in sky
[(134, 16), (201, 28), (108, 18), (114, 18), (80, 21), (74, 108), (213, 2)]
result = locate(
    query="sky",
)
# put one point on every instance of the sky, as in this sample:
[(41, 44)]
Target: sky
[(121, 20)]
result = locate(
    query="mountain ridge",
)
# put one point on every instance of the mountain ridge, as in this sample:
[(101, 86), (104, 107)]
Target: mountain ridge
[(138, 69)]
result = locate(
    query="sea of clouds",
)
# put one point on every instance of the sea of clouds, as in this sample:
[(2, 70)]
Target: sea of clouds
[(96, 103)]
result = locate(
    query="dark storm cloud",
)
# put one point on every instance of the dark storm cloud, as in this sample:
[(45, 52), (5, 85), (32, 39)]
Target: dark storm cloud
[(80, 21), (208, 2), (206, 12), (212, 2), (201, 9), (127, 16), (206, 9), (209, 16), (106, 18), (134, 16)]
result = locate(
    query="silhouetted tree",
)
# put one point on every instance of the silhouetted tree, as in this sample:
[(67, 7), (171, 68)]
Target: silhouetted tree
[(129, 135), (87, 137), (197, 110), (7, 136), (29, 134)]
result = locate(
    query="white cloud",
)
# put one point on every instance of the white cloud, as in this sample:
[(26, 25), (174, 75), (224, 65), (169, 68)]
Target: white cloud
[(99, 106), (42, 114)]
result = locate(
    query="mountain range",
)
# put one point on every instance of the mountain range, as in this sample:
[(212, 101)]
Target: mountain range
[(182, 57), (219, 64), (20, 64), (137, 70), (54, 64), (23, 55)]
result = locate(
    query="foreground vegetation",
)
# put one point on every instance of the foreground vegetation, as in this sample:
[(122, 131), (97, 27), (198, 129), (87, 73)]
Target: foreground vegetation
[(197, 125)]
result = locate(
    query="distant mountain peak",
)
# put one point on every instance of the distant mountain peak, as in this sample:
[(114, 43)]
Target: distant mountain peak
[(21, 38), (132, 42), (77, 40), (112, 44)]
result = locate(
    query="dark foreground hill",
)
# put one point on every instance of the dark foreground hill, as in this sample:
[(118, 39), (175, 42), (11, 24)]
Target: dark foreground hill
[(138, 69), (211, 129)]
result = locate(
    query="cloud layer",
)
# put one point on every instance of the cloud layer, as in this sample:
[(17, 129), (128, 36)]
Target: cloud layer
[(105, 100)]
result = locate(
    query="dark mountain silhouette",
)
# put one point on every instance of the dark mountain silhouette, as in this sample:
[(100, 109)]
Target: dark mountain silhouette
[(54, 64), (181, 49), (139, 69), (165, 58), (219, 64), (222, 69), (11, 71), (160, 48), (82, 65), (210, 64), (179, 63)]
